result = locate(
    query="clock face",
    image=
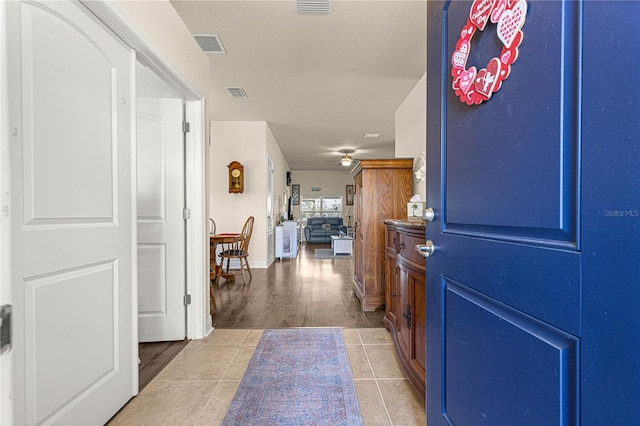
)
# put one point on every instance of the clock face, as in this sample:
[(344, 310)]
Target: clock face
[(236, 177)]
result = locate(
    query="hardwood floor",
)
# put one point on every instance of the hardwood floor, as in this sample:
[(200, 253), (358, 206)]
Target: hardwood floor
[(300, 292)]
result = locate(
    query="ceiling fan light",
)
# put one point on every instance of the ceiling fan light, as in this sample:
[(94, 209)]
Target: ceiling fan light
[(346, 160)]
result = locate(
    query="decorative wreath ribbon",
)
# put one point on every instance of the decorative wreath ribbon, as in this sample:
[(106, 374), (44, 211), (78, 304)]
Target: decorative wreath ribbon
[(473, 86)]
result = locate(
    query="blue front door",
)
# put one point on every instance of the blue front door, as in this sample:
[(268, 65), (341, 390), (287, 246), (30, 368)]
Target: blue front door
[(533, 292)]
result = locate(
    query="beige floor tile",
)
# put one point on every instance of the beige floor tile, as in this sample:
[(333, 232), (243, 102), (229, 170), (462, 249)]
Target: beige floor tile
[(239, 363), (405, 405), (359, 363), (217, 406), (199, 362), (371, 404), (167, 403), (351, 336), (384, 362), (376, 336), (253, 337), (226, 337)]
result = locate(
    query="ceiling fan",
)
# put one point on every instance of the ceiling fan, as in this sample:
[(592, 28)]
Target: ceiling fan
[(346, 159)]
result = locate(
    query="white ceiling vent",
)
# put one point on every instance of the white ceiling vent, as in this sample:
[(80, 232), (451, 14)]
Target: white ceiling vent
[(313, 6), (210, 43), (237, 92)]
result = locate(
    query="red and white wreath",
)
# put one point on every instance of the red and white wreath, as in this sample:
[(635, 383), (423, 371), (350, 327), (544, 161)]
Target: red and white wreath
[(473, 86)]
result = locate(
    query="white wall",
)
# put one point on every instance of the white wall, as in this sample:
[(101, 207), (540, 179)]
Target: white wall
[(332, 184), (411, 130), (249, 142), (281, 191), (159, 21)]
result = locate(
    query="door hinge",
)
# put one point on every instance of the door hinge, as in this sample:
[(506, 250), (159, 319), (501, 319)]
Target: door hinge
[(5, 328), (186, 214), (186, 127), (187, 299)]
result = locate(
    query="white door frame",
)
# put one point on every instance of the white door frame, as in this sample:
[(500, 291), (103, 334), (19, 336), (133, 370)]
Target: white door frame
[(198, 318), (197, 267)]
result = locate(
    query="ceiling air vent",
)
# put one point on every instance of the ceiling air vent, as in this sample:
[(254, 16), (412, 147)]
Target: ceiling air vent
[(210, 43), (237, 92), (313, 6)]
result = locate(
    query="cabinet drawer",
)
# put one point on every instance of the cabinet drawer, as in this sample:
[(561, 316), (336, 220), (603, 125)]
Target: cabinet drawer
[(407, 248), (391, 239)]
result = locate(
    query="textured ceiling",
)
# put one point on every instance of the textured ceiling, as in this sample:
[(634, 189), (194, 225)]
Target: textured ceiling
[(320, 81)]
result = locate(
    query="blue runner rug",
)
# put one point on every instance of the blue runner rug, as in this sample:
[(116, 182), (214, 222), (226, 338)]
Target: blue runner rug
[(297, 377)]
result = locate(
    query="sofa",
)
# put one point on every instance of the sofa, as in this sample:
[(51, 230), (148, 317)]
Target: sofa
[(320, 229)]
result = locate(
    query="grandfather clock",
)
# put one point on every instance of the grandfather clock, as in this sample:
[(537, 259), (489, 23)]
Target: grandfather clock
[(236, 177)]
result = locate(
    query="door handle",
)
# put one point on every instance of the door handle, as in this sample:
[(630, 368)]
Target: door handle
[(428, 214), (427, 249), (5, 328)]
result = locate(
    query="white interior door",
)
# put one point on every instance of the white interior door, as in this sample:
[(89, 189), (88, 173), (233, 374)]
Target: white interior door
[(6, 355), (72, 215), (161, 228)]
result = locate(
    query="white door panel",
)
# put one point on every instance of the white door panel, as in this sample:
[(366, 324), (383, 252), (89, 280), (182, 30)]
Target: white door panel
[(161, 229), (72, 216)]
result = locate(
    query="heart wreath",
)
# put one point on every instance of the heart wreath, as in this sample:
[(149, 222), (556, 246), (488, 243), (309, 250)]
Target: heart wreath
[(473, 86)]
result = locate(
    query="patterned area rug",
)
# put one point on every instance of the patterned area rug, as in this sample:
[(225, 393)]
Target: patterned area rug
[(328, 254), (297, 377)]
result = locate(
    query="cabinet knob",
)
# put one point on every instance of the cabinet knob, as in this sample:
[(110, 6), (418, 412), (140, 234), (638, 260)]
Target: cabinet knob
[(407, 315), (401, 245)]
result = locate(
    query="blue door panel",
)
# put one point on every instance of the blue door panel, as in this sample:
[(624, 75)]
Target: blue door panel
[(611, 214), (502, 366), (539, 281), (511, 163)]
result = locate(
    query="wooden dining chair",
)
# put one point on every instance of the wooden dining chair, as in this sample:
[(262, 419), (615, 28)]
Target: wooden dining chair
[(239, 249)]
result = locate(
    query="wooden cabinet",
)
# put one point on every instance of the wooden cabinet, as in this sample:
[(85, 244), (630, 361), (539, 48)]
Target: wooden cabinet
[(382, 189), (405, 310)]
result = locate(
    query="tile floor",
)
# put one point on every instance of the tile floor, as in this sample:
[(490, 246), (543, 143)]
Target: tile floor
[(198, 385)]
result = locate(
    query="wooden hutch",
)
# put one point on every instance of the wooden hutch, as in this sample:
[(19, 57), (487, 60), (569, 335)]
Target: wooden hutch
[(405, 309), (382, 189)]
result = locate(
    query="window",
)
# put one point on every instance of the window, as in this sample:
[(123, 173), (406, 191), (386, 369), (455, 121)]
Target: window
[(320, 207)]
